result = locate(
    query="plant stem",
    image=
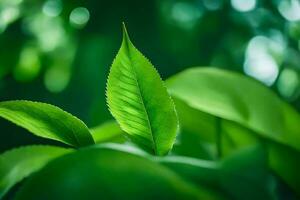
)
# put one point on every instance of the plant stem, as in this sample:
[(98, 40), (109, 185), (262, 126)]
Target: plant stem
[(219, 137)]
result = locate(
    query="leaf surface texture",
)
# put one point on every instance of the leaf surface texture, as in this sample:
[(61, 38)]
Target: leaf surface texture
[(139, 101), (47, 121)]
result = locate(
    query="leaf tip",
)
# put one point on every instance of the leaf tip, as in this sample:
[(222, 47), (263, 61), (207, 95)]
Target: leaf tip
[(125, 33), (124, 26)]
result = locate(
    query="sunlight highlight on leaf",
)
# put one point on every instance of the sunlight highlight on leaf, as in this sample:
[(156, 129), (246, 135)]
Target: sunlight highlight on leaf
[(139, 101), (47, 121)]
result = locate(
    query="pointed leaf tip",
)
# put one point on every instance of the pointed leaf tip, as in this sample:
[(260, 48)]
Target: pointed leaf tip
[(139, 101), (124, 27), (126, 38)]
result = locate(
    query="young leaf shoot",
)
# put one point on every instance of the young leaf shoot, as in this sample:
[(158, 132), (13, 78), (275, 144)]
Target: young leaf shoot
[(138, 99)]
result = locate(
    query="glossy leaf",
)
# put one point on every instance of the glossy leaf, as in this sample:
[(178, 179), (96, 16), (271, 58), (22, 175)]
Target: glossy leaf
[(19, 163), (238, 133), (98, 173), (283, 160), (139, 101), (47, 121), (220, 177), (240, 99)]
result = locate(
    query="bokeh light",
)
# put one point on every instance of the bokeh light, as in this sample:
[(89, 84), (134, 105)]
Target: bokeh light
[(243, 5), (264, 69), (252, 37), (29, 65), (184, 15), (259, 62), (7, 16), (52, 8), (79, 17), (213, 4), (56, 79), (288, 83), (48, 31), (290, 9)]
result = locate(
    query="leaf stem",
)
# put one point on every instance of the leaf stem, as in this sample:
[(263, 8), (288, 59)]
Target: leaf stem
[(219, 137)]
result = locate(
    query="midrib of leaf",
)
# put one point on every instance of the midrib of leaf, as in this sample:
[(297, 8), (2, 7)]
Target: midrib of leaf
[(63, 137), (140, 91), (75, 136), (64, 125), (135, 96), (51, 126)]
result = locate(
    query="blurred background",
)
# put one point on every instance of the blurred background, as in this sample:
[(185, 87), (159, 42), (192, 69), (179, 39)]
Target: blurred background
[(60, 51)]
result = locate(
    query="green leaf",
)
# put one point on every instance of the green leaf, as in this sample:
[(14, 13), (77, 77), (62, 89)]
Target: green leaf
[(240, 99), (245, 175), (107, 131), (189, 121), (47, 121), (282, 159), (265, 111), (197, 129), (98, 173), (19, 163), (200, 171), (139, 101), (235, 137), (286, 163), (242, 175)]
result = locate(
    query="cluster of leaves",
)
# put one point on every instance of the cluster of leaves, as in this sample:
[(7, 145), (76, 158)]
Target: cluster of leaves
[(235, 140)]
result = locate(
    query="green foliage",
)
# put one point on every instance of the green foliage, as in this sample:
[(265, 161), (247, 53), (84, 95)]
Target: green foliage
[(108, 174), (233, 175), (19, 163), (239, 99), (139, 101), (107, 131), (286, 163), (238, 179), (238, 140), (247, 110), (47, 121)]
